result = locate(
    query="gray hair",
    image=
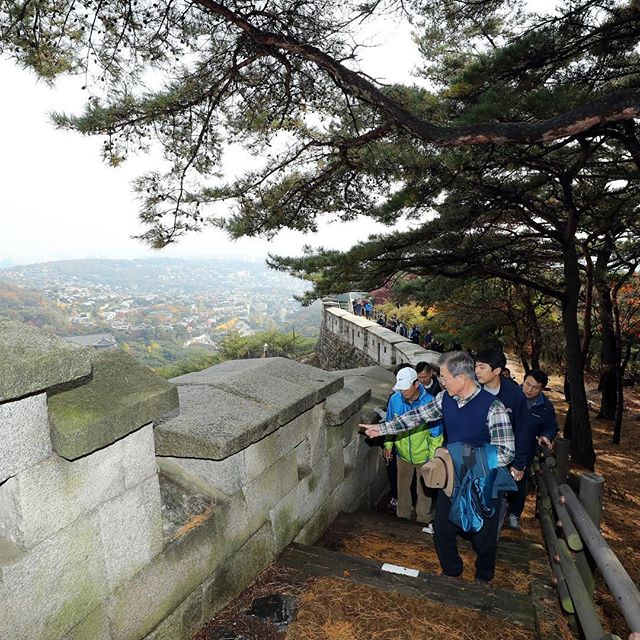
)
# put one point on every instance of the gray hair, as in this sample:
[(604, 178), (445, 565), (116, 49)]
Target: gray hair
[(458, 363)]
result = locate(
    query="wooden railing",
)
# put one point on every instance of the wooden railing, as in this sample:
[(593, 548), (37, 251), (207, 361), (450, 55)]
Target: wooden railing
[(576, 548)]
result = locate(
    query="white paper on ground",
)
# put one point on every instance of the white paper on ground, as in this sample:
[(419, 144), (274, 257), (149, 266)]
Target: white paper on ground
[(404, 571)]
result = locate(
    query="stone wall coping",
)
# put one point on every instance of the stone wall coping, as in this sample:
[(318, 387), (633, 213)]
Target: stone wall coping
[(418, 353), (387, 335), (361, 321), (350, 399), (411, 348), (228, 407), (339, 312), (379, 380), (121, 397), (33, 360)]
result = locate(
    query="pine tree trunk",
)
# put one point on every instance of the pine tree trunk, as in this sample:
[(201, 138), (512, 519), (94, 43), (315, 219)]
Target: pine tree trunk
[(580, 427), (609, 355), (619, 369)]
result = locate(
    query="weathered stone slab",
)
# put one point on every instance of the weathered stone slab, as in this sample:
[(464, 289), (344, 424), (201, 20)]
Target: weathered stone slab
[(286, 385), (336, 465), (139, 604), (316, 526), (376, 371), (226, 408), (184, 621), (349, 400), (32, 360), (24, 434), (218, 590), (285, 522), (121, 397), (212, 424), (55, 586), (131, 531), (414, 353), (10, 552), (378, 379), (313, 490)]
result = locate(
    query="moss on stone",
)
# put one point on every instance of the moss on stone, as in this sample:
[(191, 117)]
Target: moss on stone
[(33, 360), (94, 627), (121, 397)]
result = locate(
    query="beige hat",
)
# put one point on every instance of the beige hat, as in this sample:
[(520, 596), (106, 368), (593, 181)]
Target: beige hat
[(438, 473)]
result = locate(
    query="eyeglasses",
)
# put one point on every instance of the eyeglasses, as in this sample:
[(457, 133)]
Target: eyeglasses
[(445, 380)]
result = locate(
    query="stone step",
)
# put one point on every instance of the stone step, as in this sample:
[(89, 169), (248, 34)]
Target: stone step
[(517, 553), (512, 607)]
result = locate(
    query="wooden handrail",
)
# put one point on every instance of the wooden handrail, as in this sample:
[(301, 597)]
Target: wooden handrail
[(574, 520), (618, 580)]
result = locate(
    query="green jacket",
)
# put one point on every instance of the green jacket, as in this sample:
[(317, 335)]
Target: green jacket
[(418, 445)]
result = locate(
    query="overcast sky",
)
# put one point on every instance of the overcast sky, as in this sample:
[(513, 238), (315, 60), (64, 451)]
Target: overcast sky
[(59, 200)]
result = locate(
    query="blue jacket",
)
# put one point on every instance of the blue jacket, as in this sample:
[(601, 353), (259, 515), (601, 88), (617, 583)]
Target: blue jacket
[(478, 480)]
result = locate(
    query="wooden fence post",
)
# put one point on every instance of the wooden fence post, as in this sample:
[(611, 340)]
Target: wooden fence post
[(590, 494), (561, 448)]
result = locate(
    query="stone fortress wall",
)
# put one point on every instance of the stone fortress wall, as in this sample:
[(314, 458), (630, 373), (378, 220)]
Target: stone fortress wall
[(349, 340), (132, 507)]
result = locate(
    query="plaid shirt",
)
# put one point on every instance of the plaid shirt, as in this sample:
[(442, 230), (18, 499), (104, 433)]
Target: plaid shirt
[(500, 431)]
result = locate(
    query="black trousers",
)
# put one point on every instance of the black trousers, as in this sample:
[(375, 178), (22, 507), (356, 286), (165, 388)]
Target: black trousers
[(484, 542), (516, 499)]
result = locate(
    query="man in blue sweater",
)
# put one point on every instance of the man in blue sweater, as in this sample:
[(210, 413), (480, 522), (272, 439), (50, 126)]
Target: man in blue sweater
[(471, 417), (490, 364)]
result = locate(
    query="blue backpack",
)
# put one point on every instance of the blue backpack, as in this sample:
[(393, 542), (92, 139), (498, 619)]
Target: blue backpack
[(476, 471)]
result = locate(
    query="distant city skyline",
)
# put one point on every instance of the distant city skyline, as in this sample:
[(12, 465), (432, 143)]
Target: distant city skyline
[(60, 201)]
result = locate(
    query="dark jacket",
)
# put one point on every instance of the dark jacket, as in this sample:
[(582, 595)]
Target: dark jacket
[(513, 398), (542, 422)]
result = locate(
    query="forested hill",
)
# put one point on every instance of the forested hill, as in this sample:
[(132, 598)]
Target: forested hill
[(30, 306), (171, 275)]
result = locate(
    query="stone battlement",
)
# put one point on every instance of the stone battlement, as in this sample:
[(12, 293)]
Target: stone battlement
[(132, 507), (347, 340)]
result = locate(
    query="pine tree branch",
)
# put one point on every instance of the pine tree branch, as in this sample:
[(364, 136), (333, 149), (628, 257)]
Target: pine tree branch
[(616, 106)]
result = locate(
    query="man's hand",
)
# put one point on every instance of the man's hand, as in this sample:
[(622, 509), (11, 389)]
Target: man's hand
[(543, 441), (388, 454), (516, 474), (371, 430)]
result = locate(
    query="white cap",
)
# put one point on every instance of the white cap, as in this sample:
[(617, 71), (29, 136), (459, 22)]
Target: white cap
[(405, 378)]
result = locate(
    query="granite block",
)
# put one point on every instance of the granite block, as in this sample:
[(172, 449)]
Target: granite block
[(24, 434)]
